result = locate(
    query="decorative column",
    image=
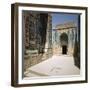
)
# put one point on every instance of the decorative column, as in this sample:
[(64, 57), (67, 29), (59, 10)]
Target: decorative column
[(70, 42)]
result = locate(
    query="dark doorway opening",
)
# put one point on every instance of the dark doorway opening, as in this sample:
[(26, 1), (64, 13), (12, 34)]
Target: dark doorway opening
[(64, 49)]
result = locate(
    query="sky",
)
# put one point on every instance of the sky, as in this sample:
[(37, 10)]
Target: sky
[(60, 18)]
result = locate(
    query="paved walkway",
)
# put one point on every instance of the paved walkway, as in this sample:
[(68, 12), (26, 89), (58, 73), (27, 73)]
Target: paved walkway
[(55, 66)]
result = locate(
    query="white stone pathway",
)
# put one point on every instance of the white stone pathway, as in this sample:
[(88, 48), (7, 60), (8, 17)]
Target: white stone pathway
[(54, 66)]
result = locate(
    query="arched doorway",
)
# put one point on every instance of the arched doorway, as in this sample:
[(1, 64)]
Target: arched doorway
[(64, 43)]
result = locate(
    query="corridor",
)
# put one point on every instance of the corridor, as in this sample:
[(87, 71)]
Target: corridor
[(54, 66)]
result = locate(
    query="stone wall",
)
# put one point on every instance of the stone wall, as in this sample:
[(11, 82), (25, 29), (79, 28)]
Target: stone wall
[(34, 58), (70, 29), (37, 37)]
